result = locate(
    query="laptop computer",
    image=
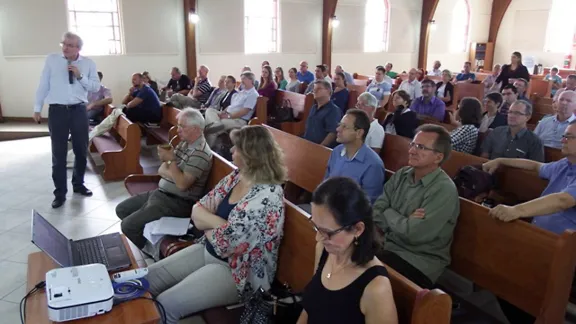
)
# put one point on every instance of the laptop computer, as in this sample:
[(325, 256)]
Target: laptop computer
[(106, 249)]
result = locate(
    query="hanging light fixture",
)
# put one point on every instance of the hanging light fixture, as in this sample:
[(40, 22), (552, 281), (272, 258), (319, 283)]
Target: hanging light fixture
[(335, 22), (193, 17)]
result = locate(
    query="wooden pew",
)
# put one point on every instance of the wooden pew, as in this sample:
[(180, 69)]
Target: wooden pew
[(394, 152), (464, 89), (552, 154), (160, 135), (358, 88), (357, 76), (564, 73), (352, 98), (529, 267), (301, 105), (540, 88), (260, 115), (120, 150)]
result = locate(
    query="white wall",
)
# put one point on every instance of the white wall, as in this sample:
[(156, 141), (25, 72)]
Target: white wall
[(148, 47), (439, 42), (220, 36), (523, 29), (348, 38)]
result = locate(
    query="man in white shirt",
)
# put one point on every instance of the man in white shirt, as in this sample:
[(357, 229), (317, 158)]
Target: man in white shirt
[(436, 71), (319, 74), (236, 115), (375, 138), (412, 86)]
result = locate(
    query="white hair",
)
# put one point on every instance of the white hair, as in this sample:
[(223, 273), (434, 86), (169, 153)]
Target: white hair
[(192, 117), (368, 99), (73, 36)]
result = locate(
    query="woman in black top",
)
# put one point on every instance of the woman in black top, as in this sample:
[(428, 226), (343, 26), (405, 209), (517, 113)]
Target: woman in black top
[(445, 88), (148, 80), (514, 70), (350, 284), (403, 121)]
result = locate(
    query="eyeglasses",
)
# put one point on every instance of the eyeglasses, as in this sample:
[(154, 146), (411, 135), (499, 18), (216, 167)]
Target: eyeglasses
[(516, 113), (326, 233), (67, 45), (421, 147), (344, 126), (507, 93), (568, 137)]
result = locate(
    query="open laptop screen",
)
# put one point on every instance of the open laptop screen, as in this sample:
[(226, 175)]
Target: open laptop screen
[(50, 240)]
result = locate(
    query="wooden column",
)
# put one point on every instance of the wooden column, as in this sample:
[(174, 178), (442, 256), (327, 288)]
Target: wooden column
[(499, 8), (428, 10), (190, 37), (328, 11)]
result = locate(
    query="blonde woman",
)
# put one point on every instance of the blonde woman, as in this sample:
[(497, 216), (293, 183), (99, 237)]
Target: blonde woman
[(242, 219)]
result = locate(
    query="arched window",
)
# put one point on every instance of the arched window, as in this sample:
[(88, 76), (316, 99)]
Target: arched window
[(377, 20), (561, 26), (460, 26), (261, 26)]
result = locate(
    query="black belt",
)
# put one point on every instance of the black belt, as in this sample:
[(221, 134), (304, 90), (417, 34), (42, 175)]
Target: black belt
[(68, 106), (171, 195)]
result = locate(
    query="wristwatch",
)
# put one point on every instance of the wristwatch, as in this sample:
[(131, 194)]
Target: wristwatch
[(169, 162), (80, 77)]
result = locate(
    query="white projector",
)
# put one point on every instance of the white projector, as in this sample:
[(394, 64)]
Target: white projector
[(78, 292)]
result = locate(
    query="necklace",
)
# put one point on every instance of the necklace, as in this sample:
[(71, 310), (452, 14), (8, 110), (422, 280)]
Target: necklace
[(329, 274)]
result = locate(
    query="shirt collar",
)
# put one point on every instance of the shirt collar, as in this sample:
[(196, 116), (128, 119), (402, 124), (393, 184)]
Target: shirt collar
[(197, 144), (568, 121), (79, 58), (427, 179), (520, 134), (360, 154)]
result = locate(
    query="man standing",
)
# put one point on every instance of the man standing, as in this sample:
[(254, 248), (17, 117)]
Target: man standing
[(429, 105), (324, 116), (510, 95), (304, 75), (412, 86), (551, 129), (184, 173), (64, 85), (142, 103), (436, 71), (96, 102)]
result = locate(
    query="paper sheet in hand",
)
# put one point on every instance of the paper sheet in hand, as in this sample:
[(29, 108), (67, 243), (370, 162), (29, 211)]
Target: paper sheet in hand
[(175, 226)]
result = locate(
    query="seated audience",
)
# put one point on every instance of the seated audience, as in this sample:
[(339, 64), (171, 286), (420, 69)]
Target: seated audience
[(184, 173), (420, 74), (319, 74), (236, 115), (267, 86), (294, 84), (304, 75), (379, 88), (489, 82), (436, 71), (412, 86), (179, 83), (279, 78), (242, 219), (467, 120), (514, 70), (428, 105), (402, 121), (247, 69), (217, 95), (353, 158), (97, 101), (492, 118), (554, 210), (326, 73), (324, 116), (522, 86), (369, 104), (555, 79), (510, 95), (347, 76), (141, 103), (341, 95), (199, 94), (418, 210), (514, 140), (264, 63), (466, 75), (230, 91), (570, 85), (551, 128), (388, 67), (350, 284), (153, 84), (445, 88)]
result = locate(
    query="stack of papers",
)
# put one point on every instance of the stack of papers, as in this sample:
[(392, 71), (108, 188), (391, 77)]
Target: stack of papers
[(175, 226)]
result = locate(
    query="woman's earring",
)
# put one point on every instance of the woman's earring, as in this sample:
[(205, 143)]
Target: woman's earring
[(356, 240)]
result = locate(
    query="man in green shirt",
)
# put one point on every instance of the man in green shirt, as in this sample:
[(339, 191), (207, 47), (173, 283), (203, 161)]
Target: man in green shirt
[(389, 71), (418, 210)]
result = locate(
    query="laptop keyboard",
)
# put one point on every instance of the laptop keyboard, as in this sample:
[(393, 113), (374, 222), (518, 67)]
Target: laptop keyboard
[(91, 251)]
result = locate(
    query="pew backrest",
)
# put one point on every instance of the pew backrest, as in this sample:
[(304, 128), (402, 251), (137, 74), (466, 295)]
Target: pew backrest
[(394, 152), (465, 89), (552, 154)]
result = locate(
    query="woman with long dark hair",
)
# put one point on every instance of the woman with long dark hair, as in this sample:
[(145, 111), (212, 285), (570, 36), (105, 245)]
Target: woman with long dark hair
[(267, 86), (293, 85), (514, 70), (279, 78)]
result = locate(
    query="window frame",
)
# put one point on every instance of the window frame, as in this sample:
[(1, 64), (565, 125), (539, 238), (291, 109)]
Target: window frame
[(274, 40), (385, 22), (555, 48), (466, 40)]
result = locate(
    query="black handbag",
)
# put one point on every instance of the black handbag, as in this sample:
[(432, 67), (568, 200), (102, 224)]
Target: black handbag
[(284, 112), (278, 306)]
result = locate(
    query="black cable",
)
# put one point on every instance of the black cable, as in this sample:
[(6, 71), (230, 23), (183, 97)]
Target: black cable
[(36, 288)]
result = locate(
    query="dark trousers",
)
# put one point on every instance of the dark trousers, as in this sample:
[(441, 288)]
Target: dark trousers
[(406, 269), (95, 115), (62, 121), (137, 211), (141, 115)]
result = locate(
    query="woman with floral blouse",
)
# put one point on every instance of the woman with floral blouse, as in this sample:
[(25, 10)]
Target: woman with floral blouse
[(242, 219)]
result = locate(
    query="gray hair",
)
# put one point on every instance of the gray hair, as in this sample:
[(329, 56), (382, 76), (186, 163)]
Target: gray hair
[(192, 117), (325, 84), (175, 69), (73, 36), (249, 75), (368, 99), (527, 106)]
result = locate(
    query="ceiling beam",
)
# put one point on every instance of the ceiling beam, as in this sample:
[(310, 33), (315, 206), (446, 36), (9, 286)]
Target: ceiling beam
[(190, 37), (428, 10), (499, 8), (328, 11)]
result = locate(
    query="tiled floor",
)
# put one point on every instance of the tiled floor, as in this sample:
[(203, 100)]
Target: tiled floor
[(26, 184)]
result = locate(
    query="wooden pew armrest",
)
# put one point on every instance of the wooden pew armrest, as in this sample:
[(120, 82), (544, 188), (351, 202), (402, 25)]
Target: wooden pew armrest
[(142, 178)]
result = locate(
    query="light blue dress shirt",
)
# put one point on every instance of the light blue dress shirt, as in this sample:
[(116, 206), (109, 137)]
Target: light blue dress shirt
[(379, 89), (55, 88), (365, 167), (550, 130)]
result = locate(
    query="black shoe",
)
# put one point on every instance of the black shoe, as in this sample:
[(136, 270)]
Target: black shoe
[(83, 191), (58, 202)]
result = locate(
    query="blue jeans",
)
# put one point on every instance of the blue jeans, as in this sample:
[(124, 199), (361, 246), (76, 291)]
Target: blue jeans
[(64, 120)]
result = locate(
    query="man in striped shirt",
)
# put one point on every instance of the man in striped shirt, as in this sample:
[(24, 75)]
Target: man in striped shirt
[(184, 173), (198, 95)]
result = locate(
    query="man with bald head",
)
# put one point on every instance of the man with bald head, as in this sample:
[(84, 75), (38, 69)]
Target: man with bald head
[(199, 93), (179, 83), (550, 129), (141, 103), (436, 70), (304, 75), (570, 85), (412, 86), (347, 76)]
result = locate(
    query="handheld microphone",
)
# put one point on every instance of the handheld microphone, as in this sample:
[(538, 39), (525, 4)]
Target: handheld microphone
[(70, 74)]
